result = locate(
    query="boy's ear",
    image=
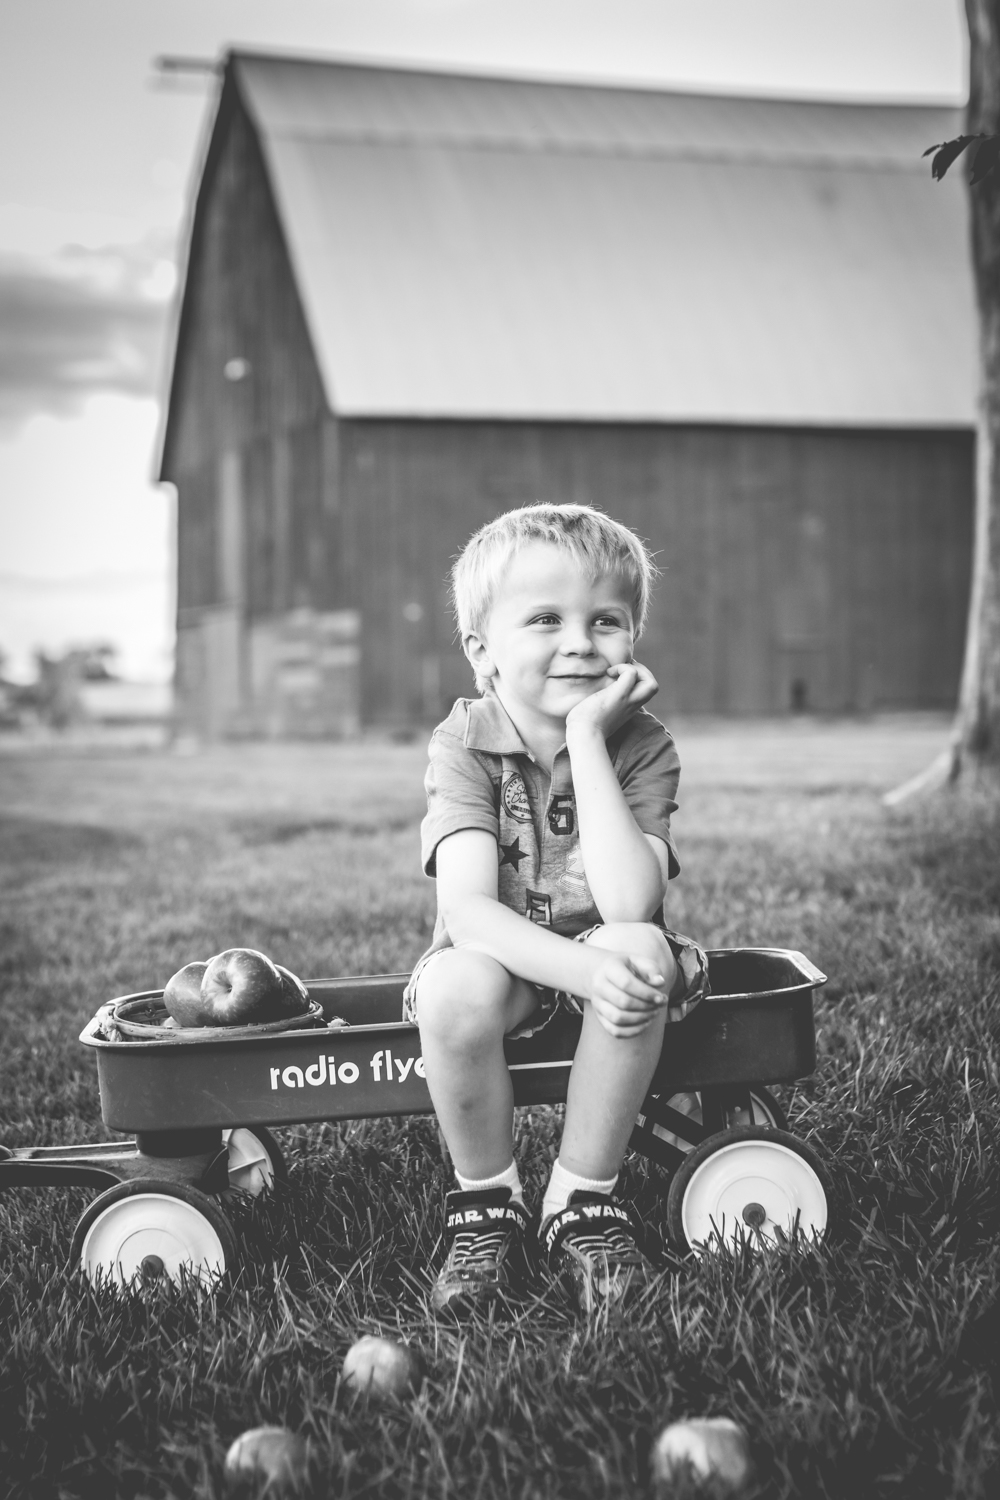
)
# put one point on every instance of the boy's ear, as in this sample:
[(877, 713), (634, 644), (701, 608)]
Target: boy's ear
[(478, 653)]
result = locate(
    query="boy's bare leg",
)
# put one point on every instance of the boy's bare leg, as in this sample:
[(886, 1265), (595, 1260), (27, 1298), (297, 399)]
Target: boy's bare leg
[(466, 1003), (610, 1075)]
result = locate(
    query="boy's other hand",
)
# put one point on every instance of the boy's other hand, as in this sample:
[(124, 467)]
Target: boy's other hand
[(626, 992), (629, 686)]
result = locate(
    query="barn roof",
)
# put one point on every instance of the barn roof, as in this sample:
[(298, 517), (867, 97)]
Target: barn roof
[(497, 248)]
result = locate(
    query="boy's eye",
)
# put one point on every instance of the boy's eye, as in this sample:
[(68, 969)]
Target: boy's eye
[(610, 620), (549, 619)]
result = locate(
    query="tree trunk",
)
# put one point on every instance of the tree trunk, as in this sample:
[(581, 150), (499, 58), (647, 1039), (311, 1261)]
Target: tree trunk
[(977, 741)]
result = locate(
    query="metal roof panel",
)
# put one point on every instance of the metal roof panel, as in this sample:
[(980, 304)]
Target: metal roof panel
[(496, 249)]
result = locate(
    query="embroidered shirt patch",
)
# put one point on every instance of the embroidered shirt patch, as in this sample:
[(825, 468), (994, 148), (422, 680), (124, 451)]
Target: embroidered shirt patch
[(515, 798)]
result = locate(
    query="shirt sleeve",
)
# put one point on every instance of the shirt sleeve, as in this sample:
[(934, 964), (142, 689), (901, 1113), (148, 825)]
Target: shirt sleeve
[(460, 795), (649, 769)]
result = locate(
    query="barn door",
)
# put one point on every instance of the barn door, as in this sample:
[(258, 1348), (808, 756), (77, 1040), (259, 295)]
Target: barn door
[(800, 655)]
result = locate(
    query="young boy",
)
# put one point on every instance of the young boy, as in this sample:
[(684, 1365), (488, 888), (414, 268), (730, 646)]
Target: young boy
[(548, 831)]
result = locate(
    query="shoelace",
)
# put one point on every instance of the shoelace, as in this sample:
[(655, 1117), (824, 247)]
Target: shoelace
[(475, 1249), (611, 1244)]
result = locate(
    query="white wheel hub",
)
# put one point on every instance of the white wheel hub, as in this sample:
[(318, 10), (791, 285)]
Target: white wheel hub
[(250, 1168), (148, 1236), (753, 1188)]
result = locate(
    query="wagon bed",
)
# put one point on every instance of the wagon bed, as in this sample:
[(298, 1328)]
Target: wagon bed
[(757, 1026)]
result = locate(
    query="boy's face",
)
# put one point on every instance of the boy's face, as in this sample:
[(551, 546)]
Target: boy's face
[(552, 634)]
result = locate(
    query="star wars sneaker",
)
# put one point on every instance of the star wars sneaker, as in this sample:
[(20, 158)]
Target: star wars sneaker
[(592, 1248), (488, 1255)]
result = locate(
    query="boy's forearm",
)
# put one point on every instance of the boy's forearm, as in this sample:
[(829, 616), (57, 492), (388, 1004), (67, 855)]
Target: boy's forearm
[(622, 871), (524, 947)]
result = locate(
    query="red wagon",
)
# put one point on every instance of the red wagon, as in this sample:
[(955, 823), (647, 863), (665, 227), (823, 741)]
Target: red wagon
[(199, 1109)]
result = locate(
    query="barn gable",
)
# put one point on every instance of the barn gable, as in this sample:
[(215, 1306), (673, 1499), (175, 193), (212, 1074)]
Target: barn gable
[(240, 302)]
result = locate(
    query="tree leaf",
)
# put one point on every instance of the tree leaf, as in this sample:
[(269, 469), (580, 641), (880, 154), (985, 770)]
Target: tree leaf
[(986, 158), (948, 152)]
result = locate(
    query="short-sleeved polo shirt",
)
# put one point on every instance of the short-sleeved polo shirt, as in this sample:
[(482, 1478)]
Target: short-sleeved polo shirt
[(481, 775)]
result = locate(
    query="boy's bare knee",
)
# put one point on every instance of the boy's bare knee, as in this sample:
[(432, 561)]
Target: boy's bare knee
[(644, 939), (461, 996)]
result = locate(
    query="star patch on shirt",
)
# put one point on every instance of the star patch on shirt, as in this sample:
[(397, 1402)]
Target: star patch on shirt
[(512, 854)]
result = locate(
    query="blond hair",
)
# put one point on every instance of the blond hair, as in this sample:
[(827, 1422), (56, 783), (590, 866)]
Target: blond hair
[(598, 543)]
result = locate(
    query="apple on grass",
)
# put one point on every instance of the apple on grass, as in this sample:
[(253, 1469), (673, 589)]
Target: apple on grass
[(380, 1369), (708, 1450), (276, 1455), (239, 987)]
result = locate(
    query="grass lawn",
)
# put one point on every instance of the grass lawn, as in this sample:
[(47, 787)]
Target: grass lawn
[(858, 1370)]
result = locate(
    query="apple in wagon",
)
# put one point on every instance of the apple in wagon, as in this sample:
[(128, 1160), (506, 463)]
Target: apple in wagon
[(239, 987), (182, 994)]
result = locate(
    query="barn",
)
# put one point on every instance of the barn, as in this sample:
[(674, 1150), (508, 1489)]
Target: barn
[(413, 300)]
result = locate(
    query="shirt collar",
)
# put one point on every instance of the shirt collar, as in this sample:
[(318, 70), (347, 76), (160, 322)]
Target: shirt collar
[(489, 727)]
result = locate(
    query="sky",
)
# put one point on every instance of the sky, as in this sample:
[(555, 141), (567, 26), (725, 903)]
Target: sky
[(99, 154)]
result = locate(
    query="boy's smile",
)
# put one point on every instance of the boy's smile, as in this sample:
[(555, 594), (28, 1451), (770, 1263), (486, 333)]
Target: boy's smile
[(551, 636)]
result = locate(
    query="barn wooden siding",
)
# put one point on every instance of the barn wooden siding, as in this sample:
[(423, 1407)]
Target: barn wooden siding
[(826, 570), (255, 462)]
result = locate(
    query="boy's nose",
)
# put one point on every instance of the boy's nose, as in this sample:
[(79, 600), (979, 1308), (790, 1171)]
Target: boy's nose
[(577, 641)]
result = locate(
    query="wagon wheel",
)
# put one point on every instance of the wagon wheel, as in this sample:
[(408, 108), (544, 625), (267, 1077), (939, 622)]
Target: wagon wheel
[(147, 1229), (256, 1161), (749, 1184)]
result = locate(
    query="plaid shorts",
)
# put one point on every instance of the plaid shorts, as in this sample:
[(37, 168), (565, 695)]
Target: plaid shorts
[(691, 960)]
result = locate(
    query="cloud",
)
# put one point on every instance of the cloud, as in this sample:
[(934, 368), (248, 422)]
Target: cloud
[(79, 321)]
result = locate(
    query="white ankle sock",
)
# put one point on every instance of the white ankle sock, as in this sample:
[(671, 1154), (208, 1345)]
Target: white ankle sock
[(563, 1183), (507, 1179)]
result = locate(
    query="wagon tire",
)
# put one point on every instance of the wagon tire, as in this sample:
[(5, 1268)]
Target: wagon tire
[(148, 1230), (751, 1185), (762, 1100), (256, 1162)]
